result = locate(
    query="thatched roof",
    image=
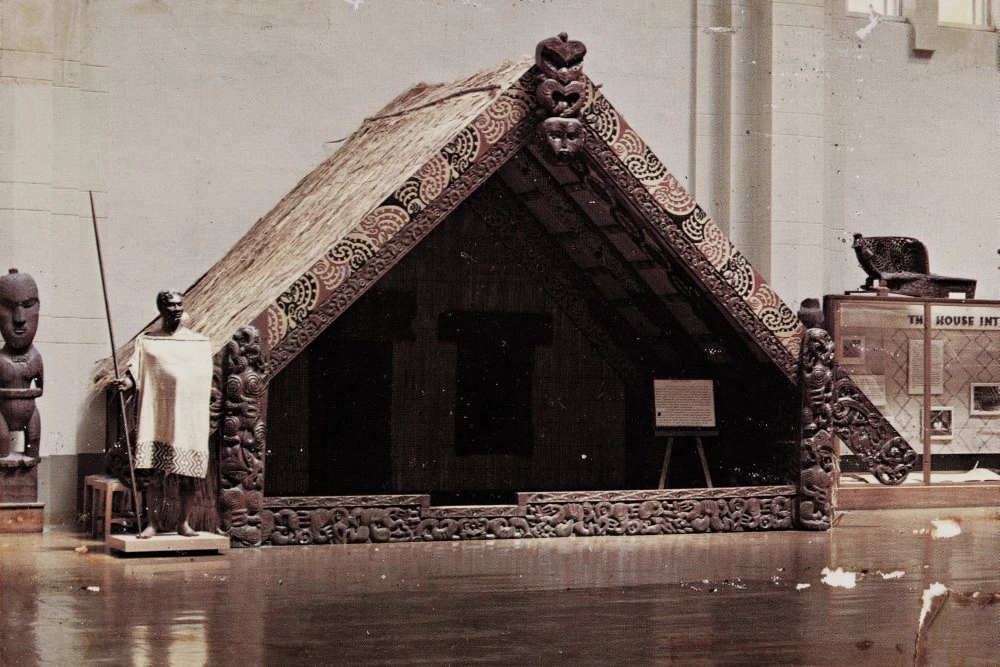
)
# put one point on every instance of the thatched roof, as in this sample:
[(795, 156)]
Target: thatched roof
[(326, 205)]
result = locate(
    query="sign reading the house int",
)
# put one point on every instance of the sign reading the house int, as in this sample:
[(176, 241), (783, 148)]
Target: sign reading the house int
[(684, 403), (907, 316)]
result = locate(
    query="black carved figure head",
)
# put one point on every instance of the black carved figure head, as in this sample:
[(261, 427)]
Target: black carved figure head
[(18, 310)]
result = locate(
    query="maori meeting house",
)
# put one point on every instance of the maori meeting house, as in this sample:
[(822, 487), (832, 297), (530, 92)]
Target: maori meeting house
[(455, 327)]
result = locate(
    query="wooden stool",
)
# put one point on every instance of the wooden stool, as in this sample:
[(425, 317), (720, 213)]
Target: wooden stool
[(98, 499)]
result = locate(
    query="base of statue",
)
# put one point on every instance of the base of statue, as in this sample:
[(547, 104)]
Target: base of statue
[(21, 517), (18, 480), (167, 542)]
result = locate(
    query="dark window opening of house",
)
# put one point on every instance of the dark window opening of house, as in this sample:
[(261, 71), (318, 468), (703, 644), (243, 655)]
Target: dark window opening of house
[(494, 376)]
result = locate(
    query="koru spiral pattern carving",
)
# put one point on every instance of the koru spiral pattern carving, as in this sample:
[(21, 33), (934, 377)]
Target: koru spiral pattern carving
[(868, 433), (242, 438)]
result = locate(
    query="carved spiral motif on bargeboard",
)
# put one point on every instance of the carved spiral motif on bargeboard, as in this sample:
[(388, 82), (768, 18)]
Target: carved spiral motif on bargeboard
[(792, 343), (352, 251), (331, 275), (381, 225), (500, 117), (714, 245), (408, 194), (694, 226), (646, 167), (782, 321), (600, 116), (739, 275), (299, 300), (434, 178), (461, 151), (672, 196), (629, 144), (277, 325)]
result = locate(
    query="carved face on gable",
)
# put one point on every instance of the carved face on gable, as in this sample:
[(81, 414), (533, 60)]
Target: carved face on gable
[(560, 58), (563, 135), (18, 310)]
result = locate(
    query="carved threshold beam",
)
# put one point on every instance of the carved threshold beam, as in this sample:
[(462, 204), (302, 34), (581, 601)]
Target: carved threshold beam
[(344, 520)]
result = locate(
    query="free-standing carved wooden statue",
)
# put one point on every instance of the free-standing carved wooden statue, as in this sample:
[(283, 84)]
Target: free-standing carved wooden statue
[(171, 371), (20, 368)]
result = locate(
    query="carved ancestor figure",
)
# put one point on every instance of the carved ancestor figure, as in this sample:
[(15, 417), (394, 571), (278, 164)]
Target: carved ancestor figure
[(20, 367), (172, 372), (561, 93)]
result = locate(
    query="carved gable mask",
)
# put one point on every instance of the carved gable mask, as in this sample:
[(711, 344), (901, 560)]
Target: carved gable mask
[(560, 58), (563, 135)]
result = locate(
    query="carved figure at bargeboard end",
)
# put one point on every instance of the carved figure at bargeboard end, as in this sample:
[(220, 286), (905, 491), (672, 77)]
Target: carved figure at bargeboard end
[(172, 372), (21, 375)]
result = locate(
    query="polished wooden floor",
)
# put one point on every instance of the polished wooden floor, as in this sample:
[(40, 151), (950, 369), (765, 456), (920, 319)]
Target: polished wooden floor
[(683, 600)]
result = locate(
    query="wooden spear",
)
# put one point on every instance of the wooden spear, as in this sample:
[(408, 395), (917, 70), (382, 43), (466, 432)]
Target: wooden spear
[(118, 375)]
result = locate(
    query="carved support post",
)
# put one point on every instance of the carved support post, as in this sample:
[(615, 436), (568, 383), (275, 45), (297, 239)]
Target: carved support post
[(242, 435), (814, 505)]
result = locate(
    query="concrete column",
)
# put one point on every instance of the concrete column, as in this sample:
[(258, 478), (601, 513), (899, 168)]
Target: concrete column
[(713, 37), (750, 131), (797, 148)]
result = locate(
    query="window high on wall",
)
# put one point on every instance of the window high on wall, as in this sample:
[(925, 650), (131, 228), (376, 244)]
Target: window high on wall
[(964, 12), (883, 7)]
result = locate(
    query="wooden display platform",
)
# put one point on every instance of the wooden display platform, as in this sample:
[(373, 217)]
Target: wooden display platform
[(168, 542), (918, 496), (21, 517)]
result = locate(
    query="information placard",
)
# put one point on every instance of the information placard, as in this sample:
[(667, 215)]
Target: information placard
[(684, 404), (915, 385)]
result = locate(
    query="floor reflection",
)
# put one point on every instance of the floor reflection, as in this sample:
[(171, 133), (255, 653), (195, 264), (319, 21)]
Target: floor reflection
[(691, 600)]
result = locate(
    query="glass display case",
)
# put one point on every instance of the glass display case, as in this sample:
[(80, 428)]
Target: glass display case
[(932, 366)]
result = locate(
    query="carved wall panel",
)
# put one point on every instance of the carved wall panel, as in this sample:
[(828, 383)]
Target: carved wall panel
[(818, 465), (242, 437), (832, 405)]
